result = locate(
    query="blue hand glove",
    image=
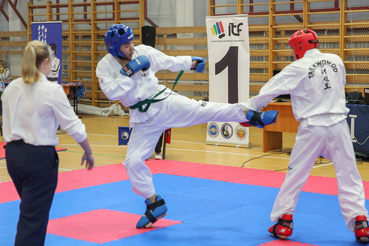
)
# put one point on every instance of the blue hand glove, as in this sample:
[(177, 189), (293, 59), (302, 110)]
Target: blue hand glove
[(261, 119), (200, 63), (135, 65)]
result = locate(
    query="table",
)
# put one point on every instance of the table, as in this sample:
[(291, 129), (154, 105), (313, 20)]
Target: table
[(272, 134), (71, 87), (358, 120)]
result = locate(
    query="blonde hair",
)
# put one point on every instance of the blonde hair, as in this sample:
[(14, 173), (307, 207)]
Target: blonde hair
[(35, 54), (3, 63)]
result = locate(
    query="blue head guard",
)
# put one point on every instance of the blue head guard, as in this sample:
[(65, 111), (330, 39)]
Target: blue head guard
[(116, 36)]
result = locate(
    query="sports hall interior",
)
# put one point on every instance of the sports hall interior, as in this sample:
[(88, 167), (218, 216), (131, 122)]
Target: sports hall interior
[(342, 27)]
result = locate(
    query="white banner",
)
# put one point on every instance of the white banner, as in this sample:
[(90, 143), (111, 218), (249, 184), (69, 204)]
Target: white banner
[(229, 73)]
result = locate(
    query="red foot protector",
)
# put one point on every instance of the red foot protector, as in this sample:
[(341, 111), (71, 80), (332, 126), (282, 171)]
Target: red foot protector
[(102, 226), (362, 229), (283, 228), (286, 243)]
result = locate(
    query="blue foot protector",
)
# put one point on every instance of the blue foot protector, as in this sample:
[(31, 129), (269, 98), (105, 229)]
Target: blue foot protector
[(261, 119), (154, 211)]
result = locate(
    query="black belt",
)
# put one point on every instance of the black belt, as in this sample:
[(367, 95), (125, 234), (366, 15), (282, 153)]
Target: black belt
[(21, 141), (17, 141)]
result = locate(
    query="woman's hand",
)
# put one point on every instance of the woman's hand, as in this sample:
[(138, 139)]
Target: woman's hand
[(89, 159)]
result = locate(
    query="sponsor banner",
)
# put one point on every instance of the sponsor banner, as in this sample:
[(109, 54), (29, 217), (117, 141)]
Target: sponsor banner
[(227, 133), (124, 133), (229, 69), (51, 33)]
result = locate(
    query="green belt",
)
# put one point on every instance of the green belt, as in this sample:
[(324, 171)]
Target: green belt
[(148, 102)]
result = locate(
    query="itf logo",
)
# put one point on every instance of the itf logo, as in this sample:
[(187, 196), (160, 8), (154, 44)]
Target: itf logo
[(233, 29), (218, 29)]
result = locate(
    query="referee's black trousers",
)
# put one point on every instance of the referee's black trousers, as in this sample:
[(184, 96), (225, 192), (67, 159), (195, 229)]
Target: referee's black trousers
[(159, 144), (34, 171)]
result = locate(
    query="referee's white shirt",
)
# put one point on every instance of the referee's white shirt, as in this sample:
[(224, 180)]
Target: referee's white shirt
[(33, 112)]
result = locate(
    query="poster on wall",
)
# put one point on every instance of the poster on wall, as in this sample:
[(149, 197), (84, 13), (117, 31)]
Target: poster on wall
[(51, 33), (229, 74)]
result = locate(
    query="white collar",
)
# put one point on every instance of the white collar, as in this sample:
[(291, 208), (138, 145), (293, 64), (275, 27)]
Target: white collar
[(312, 52)]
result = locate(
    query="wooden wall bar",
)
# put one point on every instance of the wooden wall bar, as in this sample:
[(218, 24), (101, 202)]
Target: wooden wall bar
[(342, 29)]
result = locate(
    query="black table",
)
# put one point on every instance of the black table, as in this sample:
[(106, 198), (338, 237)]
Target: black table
[(358, 121), (71, 89)]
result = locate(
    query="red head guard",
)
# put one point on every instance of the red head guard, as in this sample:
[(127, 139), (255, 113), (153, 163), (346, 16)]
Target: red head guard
[(303, 40)]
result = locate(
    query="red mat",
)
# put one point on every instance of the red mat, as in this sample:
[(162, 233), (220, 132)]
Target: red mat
[(83, 178), (112, 173), (285, 243), (2, 150), (101, 226), (314, 184)]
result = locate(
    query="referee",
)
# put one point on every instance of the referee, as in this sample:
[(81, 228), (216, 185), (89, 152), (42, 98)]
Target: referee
[(33, 108)]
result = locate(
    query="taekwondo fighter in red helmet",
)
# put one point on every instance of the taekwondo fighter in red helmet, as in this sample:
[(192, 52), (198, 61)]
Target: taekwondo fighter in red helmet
[(316, 83), (127, 74)]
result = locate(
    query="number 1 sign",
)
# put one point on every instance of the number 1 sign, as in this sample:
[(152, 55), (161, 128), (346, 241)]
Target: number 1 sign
[(229, 73)]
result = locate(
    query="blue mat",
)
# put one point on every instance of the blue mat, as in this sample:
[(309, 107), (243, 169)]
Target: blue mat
[(211, 212)]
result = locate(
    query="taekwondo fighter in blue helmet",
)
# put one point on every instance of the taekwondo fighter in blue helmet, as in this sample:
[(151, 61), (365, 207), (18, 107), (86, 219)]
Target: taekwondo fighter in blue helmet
[(127, 74), (316, 83)]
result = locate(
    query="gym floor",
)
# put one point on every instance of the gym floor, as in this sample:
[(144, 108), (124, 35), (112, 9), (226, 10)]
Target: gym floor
[(199, 172)]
